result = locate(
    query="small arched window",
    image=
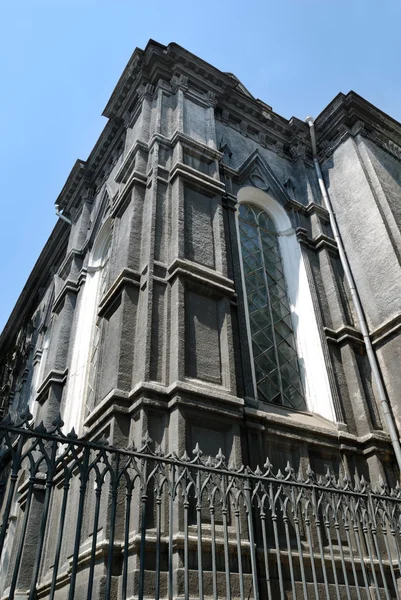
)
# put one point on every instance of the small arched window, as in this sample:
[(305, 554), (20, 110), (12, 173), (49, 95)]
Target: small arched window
[(276, 368)]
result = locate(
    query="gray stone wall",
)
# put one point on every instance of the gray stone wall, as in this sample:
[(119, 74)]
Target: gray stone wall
[(174, 361), (363, 182), (180, 143)]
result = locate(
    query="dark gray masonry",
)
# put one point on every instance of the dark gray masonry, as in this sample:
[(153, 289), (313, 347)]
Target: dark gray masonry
[(164, 310)]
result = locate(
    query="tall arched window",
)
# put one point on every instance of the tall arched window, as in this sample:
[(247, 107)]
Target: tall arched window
[(101, 270), (80, 398), (276, 368)]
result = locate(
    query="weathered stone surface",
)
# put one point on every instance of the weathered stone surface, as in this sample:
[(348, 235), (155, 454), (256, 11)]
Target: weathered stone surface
[(172, 354)]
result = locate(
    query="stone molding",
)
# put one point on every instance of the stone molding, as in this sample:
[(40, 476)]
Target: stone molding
[(345, 335), (53, 377), (351, 115), (180, 136), (127, 277), (316, 209), (381, 335), (74, 253), (303, 427), (70, 287), (317, 434), (197, 178), (197, 269), (129, 161), (318, 243), (225, 90), (201, 275), (213, 397)]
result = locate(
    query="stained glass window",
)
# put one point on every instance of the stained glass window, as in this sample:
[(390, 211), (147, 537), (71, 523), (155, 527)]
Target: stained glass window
[(275, 358)]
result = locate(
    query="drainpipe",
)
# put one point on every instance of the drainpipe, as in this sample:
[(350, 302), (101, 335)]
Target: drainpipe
[(61, 216), (388, 417)]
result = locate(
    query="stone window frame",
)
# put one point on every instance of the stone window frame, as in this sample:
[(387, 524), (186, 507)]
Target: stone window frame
[(308, 343), (275, 361), (98, 264), (77, 391)]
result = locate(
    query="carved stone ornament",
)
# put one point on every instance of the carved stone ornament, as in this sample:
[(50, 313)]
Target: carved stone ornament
[(212, 99), (243, 128), (225, 116), (179, 82), (262, 138), (127, 118), (133, 67), (145, 88), (298, 150), (394, 149), (88, 194), (258, 182)]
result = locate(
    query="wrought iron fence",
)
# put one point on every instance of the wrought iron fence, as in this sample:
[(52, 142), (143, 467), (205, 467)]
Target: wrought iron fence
[(84, 520)]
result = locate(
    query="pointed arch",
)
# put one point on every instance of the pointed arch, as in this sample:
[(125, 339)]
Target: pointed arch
[(256, 174)]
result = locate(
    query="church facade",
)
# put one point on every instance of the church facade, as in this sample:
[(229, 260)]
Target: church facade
[(193, 296)]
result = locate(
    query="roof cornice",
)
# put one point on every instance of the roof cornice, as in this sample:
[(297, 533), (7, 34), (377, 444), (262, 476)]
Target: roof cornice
[(350, 114), (51, 255), (234, 106)]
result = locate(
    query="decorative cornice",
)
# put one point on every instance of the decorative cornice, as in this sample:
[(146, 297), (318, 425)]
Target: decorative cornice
[(298, 150), (52, 254), (386, 144), (351, 115), (234, 105)]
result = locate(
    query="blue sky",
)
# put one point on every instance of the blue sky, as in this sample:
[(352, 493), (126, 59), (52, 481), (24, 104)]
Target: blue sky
[(60, 60)]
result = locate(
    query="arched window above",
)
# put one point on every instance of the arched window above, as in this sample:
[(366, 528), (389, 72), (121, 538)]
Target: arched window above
[(276, 368), (83, 371), (98, 267), (274, 250)]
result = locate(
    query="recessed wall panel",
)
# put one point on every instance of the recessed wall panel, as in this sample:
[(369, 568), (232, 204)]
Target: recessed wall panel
[(199, 238), (195, 120), (203, 359), (161, 223), (157, 336)]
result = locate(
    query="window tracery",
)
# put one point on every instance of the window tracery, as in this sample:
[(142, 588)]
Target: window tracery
[(94, 350), (277, 373)]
